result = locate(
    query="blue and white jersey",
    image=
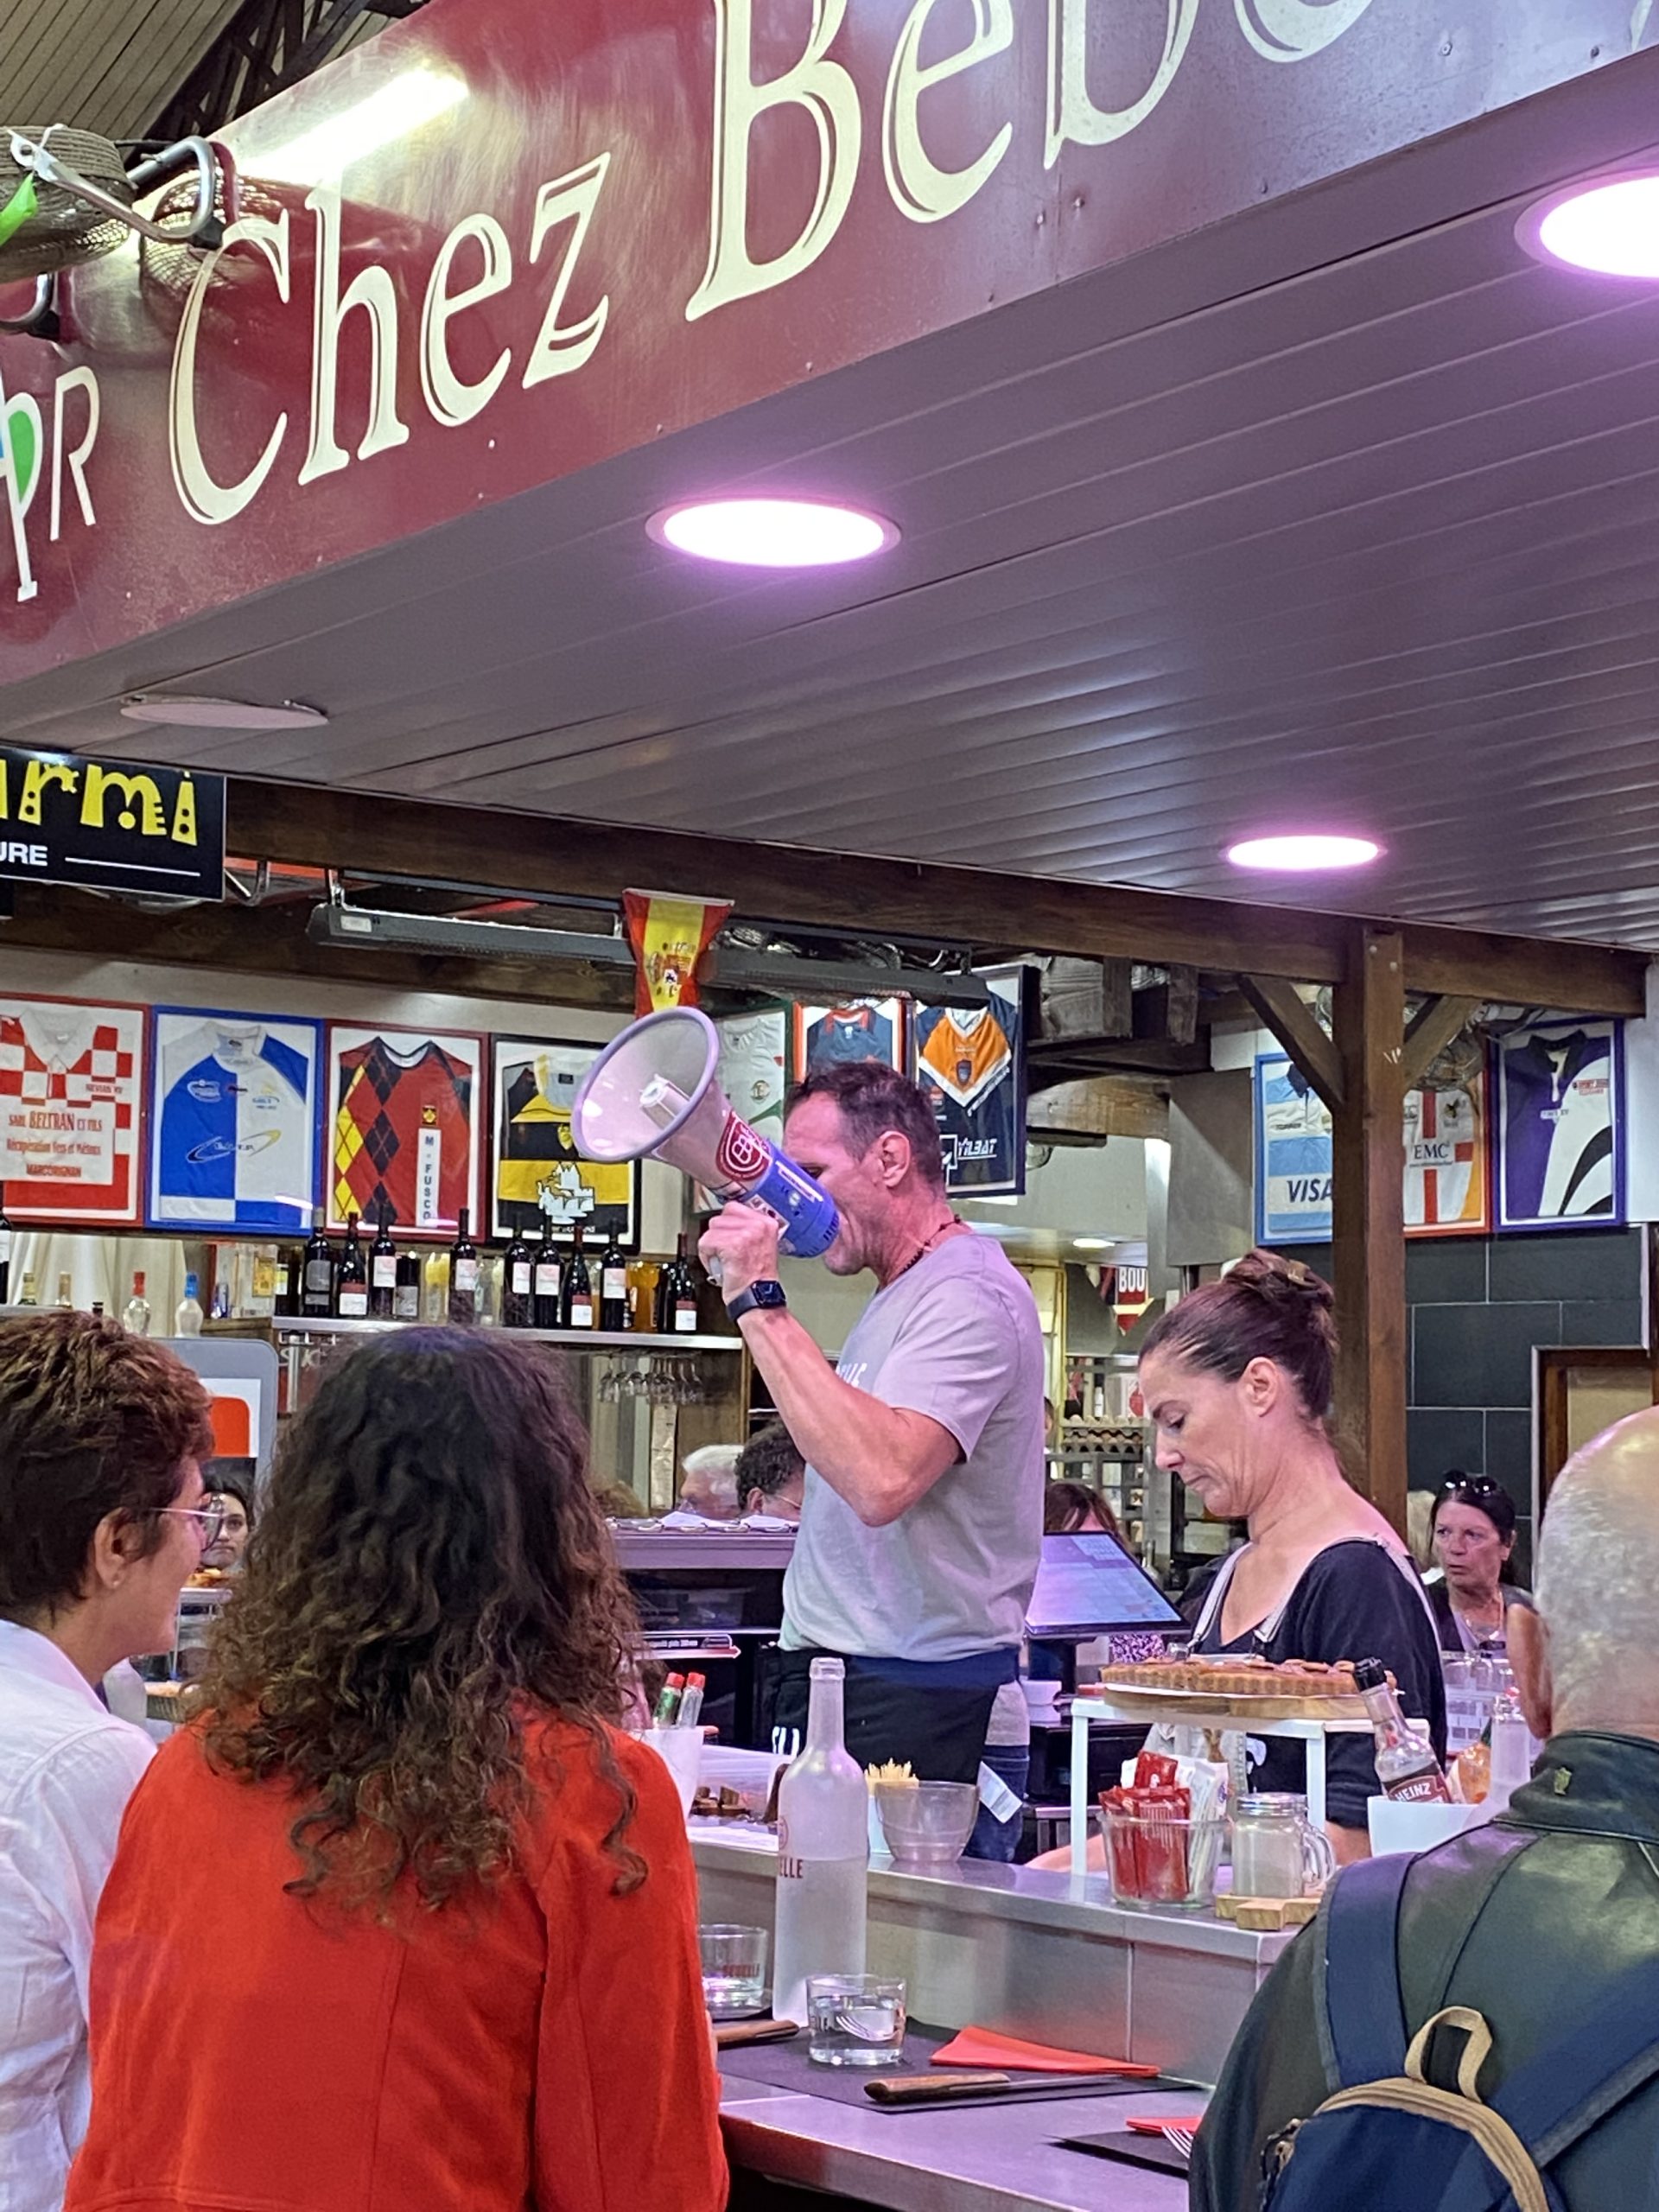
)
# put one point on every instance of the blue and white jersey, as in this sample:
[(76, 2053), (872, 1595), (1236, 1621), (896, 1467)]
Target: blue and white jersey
[(1559, 1131), (236, 1143)]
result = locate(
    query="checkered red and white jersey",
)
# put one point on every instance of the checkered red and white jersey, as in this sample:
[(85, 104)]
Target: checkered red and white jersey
[(58, 1055)]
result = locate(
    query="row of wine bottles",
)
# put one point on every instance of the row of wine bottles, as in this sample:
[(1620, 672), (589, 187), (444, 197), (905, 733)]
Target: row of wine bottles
[(542, 1285)]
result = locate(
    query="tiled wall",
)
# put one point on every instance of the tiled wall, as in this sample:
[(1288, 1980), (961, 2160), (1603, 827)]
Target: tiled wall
[(1475, 1308)]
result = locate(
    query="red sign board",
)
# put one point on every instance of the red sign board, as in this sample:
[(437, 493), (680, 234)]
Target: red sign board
[(500, 243)]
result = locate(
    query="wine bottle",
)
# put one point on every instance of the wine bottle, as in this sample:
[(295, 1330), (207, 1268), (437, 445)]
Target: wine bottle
[(463, 1273), (5, 1249), (518, 1285), (406, 1293), (187, 1316), (317, 1272), (29, 1295), (291, 1276), (824, 1848), (65, 1299), (684, 1321), (578, 1289), (613, 1288), (352, 1278), (136, 1317), (547, 1282), (382, 1270)]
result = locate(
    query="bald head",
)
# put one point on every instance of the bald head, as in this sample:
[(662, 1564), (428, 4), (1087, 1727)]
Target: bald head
[(1597, 1660)]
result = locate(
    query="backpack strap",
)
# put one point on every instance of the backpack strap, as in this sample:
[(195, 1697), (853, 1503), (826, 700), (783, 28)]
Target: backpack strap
[(1561, 2094), (1364, 2018)]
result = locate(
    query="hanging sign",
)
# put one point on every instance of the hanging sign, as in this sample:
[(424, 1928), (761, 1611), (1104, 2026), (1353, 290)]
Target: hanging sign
[(111, 827), (670, 935)]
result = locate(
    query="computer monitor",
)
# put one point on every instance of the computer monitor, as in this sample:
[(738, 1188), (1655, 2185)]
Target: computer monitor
[(1088, 1584)]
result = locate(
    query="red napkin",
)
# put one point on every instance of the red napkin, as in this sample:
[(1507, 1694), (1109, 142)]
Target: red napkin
[(984, 2047), (1146, 2125)]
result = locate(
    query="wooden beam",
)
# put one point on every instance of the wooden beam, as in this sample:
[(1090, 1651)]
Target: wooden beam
[(1428, 1032), (271, 941), (1101, 1106), (1292, 1021), (325, 827), (1368, 1205)]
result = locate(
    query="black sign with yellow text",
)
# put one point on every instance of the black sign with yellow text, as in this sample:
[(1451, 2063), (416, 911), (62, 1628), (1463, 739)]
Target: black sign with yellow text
[(110, 826)]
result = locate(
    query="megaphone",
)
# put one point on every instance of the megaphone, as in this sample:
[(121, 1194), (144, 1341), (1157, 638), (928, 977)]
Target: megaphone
[(652, 1091)]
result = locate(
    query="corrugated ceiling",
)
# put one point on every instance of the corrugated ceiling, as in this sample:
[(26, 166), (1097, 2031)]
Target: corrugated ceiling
[(101, 65)]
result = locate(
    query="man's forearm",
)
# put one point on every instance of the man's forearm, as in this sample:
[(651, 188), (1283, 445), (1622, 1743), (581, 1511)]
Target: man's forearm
[(869, 1452)]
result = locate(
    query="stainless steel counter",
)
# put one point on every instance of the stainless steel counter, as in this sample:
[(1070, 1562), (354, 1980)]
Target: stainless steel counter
[(1043, 1956), (988, 2159)]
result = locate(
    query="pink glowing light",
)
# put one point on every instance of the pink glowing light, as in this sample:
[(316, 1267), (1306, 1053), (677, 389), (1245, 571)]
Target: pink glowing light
[(1607, 225), (1304, 853), (766, 533)]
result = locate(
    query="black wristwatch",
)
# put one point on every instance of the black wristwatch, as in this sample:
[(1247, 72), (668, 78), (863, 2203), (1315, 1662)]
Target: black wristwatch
[(767, 1294)]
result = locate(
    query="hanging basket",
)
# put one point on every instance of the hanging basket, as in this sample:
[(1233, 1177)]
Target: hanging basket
[(45, 226)]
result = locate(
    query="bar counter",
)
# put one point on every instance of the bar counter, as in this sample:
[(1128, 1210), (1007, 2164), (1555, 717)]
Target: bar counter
[(1043, 1956)]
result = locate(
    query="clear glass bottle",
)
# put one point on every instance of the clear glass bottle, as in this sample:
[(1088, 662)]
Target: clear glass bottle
[(29, 1295), (65, 1298), (1511, 1750), (136, 1315), (1406, 1765), (824, 1849), (186, 1321)]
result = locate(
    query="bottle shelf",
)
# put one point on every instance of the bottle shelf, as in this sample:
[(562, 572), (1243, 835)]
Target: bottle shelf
[(607, 1340)]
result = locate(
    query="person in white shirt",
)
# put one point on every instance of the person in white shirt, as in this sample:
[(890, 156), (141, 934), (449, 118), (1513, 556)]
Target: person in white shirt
[(102, 1435)]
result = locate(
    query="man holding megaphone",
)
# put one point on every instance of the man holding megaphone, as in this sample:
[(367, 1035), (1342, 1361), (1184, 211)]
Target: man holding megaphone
[(922, 1523)]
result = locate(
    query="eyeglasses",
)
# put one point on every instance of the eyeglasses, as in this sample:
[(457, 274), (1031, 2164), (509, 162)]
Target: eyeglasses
[(209, 1519)]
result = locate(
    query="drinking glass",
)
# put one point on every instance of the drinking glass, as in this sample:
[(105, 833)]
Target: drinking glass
[(734, 1970), (854, 2019)]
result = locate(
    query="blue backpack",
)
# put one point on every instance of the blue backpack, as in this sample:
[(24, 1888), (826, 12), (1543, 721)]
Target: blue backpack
[(1389, 2141)]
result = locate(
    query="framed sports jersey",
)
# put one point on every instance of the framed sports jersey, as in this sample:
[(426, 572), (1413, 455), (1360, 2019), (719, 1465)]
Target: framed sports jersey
[(537, 1175), (753, 1066), (1561, 1134), (971, 1062), (234, 1104), (862, 1029), (405, 1127), (72, 1093), (1448, 1178), (1293, 1155)]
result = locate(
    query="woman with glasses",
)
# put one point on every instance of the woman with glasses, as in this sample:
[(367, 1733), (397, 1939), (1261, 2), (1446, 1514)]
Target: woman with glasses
[(101, 1437), (1474, 1543), (454, 1917)]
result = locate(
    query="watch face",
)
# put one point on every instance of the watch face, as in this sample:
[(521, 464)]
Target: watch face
[(768, 1294)]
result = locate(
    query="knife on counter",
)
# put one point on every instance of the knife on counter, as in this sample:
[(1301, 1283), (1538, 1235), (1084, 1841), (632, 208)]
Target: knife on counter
[(908, 2090)]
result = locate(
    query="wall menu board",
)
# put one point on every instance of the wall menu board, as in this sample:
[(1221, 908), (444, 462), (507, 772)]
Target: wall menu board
[(971, 1063), (405, 1127), (1561, 1134), (536, 1176), (71, 1095), (233, 1113)]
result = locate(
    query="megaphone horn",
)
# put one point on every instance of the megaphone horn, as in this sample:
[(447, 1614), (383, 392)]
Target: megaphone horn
[(653, 1092)]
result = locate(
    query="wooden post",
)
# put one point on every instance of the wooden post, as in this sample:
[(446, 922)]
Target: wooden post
[(1368, 1201)]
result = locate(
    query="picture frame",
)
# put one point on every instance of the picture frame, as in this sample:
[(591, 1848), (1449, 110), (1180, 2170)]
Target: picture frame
[(73, 1110), (235, 1108), (851, 1030), (1294, 1152), (1448, 1158), (536, 1174), (1560, 1092), (406, 1112)]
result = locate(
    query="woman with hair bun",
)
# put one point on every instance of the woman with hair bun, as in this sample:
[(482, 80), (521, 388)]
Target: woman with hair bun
[(452, 1931), (1236, 1380)]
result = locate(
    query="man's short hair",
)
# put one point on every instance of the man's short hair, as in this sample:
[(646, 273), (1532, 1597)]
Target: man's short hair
[(770, 1459), (871, 1098), (1598, 1579), (93, 1420)]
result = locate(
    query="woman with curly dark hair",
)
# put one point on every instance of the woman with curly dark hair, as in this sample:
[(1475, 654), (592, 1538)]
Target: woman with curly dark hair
[(453, 1918)]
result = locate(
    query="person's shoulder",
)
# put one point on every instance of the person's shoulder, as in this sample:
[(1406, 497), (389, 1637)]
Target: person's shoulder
[(89, 1768), (575, 1768), (976, 1267)]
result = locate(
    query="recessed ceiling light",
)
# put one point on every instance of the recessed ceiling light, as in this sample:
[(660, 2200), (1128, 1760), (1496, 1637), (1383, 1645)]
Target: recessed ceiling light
[(1303, 851), (1608, 225), (1092, 1243), (171, 709), (772, 533)]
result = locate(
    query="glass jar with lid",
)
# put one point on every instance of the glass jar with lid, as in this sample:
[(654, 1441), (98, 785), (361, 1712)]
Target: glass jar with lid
[(1277, 1851)]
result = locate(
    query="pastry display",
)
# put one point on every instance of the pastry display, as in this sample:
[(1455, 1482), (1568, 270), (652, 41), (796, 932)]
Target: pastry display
[(1234, 1676)]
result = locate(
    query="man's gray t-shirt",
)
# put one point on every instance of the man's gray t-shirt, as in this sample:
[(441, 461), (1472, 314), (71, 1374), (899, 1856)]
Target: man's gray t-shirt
[(956, 1337)]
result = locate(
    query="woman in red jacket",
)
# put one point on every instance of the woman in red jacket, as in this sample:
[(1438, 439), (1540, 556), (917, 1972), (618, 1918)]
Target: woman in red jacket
[(447, 1956)]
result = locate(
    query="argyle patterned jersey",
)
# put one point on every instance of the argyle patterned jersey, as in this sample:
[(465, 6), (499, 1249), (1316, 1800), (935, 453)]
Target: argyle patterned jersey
[(402, 1135)]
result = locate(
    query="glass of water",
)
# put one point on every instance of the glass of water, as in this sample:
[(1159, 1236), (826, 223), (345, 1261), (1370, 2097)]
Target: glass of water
[(734, 1970), (854, 2019)]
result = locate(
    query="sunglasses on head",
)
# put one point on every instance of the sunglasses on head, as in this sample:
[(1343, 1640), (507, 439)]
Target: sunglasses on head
[(1472, 1486)]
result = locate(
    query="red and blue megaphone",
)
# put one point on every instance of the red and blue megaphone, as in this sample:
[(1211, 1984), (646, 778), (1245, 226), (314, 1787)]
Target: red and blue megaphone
[(653, 1092)]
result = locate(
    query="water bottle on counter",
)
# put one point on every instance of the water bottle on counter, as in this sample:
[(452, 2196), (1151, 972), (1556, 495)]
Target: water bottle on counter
[(1511, 1751), (824, 1849)]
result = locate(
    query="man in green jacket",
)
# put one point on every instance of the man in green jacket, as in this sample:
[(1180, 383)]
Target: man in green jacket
[(1533, 1942)]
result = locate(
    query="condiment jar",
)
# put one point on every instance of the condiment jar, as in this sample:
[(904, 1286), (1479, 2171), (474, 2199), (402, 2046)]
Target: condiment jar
[(1277, 1851)]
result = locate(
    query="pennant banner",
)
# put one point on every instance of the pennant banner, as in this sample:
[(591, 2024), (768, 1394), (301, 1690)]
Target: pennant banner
[(670, 935)]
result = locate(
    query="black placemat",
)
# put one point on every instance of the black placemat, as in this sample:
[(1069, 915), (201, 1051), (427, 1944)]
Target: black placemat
[(1154, 2151), (786, 2066)]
